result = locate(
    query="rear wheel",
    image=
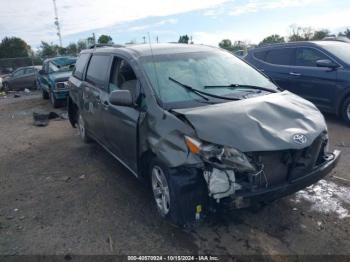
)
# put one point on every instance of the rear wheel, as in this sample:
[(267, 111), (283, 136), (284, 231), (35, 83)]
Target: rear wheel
[(35, 85), (6, 86), (82, 129), (346, 111)]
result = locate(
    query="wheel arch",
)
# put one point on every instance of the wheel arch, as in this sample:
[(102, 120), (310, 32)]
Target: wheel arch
[(341, 102)]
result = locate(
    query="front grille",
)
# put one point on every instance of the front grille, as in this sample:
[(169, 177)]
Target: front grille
[(284, 166)]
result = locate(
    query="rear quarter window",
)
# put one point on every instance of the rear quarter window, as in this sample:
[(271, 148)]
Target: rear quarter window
[(260, 55), (80, 66)]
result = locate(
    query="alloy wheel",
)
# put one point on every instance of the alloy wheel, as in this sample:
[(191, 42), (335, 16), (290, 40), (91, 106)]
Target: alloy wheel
[(160, 191), (348, 111)]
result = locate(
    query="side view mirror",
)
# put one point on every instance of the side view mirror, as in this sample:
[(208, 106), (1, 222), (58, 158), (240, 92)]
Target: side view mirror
[(41, 72), (326, 63), (121, 98)]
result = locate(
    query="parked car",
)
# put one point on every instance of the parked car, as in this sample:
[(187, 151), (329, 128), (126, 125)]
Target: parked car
[(21, 78), (318, 71), (53, 79), (201, 125)]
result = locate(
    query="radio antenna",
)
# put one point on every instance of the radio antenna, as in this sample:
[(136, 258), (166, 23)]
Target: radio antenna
[(154, 66)]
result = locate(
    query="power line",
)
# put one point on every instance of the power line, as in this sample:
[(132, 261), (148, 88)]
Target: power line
[(57, 23)]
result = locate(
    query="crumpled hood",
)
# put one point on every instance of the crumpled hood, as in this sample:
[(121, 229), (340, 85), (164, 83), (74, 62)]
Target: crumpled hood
[(264, 123), (60, 76)]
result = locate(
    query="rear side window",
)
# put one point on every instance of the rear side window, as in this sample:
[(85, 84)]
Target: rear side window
[(29, 71), (308, 57), (18, 72), (80, 65), (97, 70), (260, 55), (282, 56)]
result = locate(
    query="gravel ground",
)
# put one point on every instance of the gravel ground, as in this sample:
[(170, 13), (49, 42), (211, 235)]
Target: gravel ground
[(60, 196)]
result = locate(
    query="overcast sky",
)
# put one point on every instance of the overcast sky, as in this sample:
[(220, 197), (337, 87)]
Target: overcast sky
[(207, 21)]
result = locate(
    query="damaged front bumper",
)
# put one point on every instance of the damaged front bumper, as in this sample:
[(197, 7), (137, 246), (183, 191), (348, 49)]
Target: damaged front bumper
[(261, 195)]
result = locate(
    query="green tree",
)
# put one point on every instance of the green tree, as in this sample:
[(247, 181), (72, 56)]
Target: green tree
[(11, 47), (236, 46), (72, 49), (272, 39), (81, 45), (320, 34), (346, 33), (48, 50), (104, 39), (226, 44), (184, 39)]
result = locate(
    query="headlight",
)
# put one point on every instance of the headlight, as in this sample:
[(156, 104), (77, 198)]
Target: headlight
[(61, 85), (228, 156)]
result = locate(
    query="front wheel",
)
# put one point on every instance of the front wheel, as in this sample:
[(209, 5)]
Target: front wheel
[(55, 103), (179, 193), (45, 94), (346, 111)]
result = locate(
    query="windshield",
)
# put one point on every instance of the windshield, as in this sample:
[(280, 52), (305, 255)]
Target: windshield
[(340, 50), (62, 64), (198, 70)]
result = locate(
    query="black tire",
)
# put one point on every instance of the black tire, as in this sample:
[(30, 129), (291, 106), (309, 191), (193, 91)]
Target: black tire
[(84, 134), (186, 193), (35, 85), (45, 95), (6, 87), (55, 103), (345, 111)]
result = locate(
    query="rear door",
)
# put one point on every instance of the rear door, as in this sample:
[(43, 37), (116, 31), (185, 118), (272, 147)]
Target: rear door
[(94, 88), (29, 77), (278, 62), (317, 84), (121, 122)]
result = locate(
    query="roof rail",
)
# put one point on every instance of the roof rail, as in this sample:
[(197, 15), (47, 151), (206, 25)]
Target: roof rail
[(104, 45), (336, 38)]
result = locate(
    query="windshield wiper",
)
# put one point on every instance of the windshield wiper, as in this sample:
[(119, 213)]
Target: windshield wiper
[(233, 86), (200, 93)]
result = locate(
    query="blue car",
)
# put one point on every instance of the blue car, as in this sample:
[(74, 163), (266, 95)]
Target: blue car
[(53, 79), (318, 71)]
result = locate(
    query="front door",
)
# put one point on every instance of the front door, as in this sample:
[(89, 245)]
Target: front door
[(121, 122), (316, 84)]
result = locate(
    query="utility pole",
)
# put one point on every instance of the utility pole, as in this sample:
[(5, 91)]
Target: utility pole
[(144, 39), (157, 40), (57, 23)]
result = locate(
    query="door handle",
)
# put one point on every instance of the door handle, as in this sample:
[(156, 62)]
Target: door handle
[(261, 70), (294, 74)]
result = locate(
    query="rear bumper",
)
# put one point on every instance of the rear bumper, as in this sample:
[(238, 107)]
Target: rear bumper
[(269, 194)]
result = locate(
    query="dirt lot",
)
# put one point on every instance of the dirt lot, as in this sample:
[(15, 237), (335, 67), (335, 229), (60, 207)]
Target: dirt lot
[(59, 196)]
